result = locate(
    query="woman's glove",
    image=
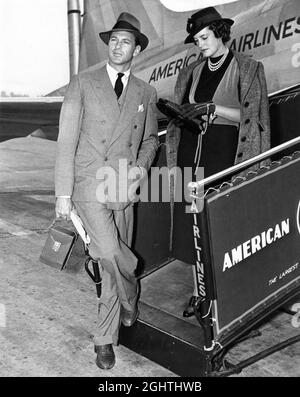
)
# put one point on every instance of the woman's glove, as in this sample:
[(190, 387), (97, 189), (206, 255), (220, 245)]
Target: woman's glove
[(198, 110), (196, 115)]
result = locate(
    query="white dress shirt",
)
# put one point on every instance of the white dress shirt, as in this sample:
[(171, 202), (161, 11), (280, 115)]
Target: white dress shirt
[(113, 75)]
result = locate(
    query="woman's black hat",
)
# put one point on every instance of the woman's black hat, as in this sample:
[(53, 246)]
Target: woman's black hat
[(201, 19)]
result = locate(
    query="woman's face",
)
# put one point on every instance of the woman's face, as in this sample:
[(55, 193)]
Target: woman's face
[(208, 44)]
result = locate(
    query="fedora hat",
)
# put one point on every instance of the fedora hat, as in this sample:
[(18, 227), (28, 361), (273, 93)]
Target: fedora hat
[(129, 23), (201, 20)]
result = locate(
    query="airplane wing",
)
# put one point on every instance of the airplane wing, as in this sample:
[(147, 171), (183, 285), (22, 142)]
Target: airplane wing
[(38, 111), (21, 116)]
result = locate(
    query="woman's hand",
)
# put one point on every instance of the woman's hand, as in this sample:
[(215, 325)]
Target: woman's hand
[(177, 122), (197, 110)]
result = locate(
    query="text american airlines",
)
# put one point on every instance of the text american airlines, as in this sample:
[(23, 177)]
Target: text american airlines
[(256, 243)]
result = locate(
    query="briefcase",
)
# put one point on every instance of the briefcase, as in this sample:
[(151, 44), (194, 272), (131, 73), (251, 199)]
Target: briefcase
[(58, 246)]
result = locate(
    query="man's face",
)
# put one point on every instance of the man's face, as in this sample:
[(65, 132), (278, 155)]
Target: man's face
[(122, 49)]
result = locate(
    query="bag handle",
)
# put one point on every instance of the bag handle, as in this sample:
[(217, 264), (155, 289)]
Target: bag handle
[(51, 225)]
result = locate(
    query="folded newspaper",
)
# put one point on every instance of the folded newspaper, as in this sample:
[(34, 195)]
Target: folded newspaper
[(77, 222)]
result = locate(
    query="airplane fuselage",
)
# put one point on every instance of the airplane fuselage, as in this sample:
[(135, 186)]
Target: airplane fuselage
[(268, 33)]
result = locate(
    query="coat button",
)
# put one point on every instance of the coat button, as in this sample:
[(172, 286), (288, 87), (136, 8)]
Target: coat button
[(130, 144), (135, 126), (103, 140), (243, 139), (246, 104), (103, 121), (240, 155), (129, 162), (247, 121), (105, 158)]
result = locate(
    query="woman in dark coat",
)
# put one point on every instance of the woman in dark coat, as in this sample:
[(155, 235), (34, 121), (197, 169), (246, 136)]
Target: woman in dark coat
[(236, 85)]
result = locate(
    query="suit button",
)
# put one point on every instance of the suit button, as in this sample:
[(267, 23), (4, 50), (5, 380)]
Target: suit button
[(103, 121), (246, 104), (135, 126), (105, 158), (247, 121), (243, 139), (129, 162), (240, 155), (130, 144), (103, 140)]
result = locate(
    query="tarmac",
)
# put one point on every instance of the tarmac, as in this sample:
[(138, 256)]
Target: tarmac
[(47, 316)]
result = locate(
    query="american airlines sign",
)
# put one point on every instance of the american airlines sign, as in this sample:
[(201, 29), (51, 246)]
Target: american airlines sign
[(254, 242)]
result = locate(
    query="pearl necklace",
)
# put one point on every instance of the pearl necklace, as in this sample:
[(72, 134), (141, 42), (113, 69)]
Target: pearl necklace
[(215, 66)]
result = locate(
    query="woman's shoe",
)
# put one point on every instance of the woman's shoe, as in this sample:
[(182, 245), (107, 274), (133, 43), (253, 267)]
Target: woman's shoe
[(189, 310)]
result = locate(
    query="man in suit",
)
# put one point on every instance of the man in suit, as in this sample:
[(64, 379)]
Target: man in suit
[(107, 132)]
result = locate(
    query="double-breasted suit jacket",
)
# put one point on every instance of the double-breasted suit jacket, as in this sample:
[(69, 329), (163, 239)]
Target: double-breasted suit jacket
[(96, 131)]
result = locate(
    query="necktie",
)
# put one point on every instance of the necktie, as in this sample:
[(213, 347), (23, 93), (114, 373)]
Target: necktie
[(119, 85)]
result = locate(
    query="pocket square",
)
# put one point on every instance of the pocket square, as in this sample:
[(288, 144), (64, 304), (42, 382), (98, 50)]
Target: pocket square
[(141, 108)]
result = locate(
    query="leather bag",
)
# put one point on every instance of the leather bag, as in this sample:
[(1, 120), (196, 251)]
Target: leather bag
[(58, 246)]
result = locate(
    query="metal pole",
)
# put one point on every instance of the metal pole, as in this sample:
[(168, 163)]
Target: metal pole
[(237, 368), (74, 28), (245, 164)]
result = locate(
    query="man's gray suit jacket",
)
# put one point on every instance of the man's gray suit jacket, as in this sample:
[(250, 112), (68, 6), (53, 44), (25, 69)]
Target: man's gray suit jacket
[(96, 131)]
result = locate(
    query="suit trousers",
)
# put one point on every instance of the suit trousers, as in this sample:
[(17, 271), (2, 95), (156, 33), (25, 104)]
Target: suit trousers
[(110, 232)]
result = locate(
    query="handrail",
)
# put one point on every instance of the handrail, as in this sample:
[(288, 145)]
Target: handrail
[(244, 164)]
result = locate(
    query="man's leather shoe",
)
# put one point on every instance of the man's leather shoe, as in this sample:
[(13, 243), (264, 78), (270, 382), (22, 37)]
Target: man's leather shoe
[(128, 318), (105, 356)]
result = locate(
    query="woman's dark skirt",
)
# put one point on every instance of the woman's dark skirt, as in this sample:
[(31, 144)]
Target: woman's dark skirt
[(219, 145)]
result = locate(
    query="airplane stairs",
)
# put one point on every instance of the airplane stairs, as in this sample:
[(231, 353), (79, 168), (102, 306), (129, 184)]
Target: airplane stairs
[(161, 333), (164, 336)]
